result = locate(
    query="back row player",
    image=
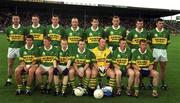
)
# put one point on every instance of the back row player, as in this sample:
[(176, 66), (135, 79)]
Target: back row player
[(159, 37)]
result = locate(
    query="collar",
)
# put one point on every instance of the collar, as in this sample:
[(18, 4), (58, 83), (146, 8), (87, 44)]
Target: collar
[(55, 27), (80, 51), (64, 50), (36, 26), (76, 29), (95, 29), (49, 48), (116, 28), (141, 52), (17, 27), (121, 50), (28, 48), (140, 30), (159, 31)]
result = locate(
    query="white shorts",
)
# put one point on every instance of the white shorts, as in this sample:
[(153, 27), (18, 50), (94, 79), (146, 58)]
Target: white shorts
[(62, 67), (13, 52), (45, 67), (160, 55)]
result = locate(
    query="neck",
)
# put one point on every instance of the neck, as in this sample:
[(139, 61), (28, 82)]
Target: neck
[(35, 24), (29, 46), (16, 25), (122, 48), (94, 27), (74, 28), (81, 49), (47, 46), (159, 29), (142, 50), (115, 26), (64, 48), (101, 48), (55, 25), (139, 29)]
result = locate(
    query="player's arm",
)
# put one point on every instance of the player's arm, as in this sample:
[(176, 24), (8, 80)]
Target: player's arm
[(133, 61), (7, 34)]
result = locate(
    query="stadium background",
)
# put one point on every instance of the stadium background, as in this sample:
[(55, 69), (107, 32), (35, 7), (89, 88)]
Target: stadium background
[(84, 13)]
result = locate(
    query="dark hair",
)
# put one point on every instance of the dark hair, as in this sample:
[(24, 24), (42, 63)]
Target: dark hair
[(35, 15), (102, 38), (64, 39), (159, 20), (81, 40), (122, 39), (47, 38), (30, 36), (139, 20), (142, 41), (115, 17), (55, 15), (94, 18)]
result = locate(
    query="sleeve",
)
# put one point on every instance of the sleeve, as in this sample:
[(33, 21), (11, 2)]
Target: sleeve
[(21, 55), (109, 57), (83, 36), (124, 33), (93, 57), (63, 32), (129, 56), (46, 31), (168, 37), (129, 39), (134, 58), (106, 32), (151, 58), (88, 57)]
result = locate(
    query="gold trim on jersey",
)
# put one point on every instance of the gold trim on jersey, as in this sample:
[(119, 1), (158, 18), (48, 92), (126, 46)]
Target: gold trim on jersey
[(73, 39), (159, 41), (29, 58), (122, 61), (94, 39), (114, 38), (16, 37), (142, 63), (136, 40), (63, 59), (55, 37), (37, 36), (80, 61)]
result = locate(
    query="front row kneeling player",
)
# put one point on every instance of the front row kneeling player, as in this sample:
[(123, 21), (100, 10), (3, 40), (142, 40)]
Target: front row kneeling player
[(142, 62), (121, 59), (28, 55)]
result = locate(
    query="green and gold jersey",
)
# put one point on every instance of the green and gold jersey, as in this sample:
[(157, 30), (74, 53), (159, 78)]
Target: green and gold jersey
[(38, 34), (28, 55), (15, 36), (74, 36), (93, 36), (159, 40), (135, 36), (55, 33), (122, 58), (114, 34), (81, 58), (143, 60), (47, 56), (64, 56), (101, 57)]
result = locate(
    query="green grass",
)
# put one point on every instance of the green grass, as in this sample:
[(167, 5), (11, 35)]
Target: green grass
[(172, 95)]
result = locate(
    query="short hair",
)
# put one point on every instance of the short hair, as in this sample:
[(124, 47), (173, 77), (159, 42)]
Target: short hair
[(102, 38), (30, 36), (47, 38), (139, 20), (81, 40), (64, 39), (115, 17), (35, 15), (122, 39), (94, 18), (74, 18), (15, 15), (159, 20), (55, 16), (142, 41)]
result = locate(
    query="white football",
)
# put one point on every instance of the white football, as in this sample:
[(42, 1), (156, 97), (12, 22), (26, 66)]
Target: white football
[(98, 94), (79, 91)]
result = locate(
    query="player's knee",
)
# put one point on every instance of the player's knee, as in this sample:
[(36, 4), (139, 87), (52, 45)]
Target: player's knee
[(137, 74), (38, 72), (94, 74), (131, 74), (31, 71), (118, 73), (111, 74), (88, 72), (50, 71)]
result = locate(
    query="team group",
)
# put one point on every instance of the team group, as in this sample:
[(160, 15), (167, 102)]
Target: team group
[(88, 54)]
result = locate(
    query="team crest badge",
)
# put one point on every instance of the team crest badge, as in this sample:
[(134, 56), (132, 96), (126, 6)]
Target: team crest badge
[(31, 31), (11, 32), (139, 57), (70, 34), (43, 53), (50, 31), (135, 35), (119, 55), (77, 56), (60, 53), (90, 34), (111, 32), (25, 53), (155, 35)]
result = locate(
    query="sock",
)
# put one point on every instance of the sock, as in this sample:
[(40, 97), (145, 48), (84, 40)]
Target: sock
[(112, 82), (93, 83), (63, 88), (85, 82), (72, 82)]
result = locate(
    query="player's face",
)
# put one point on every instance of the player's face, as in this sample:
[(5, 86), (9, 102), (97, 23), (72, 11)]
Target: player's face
[(81, 45), (74, 23), (35, 20), (143, 46), (46, 42), (116, 21), (29, 41), (95, 23), (160, 24), (55, 20), (16, 20), (102, 43), (64, 43), (139, 24), (122, 44)]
